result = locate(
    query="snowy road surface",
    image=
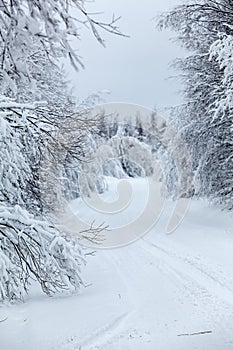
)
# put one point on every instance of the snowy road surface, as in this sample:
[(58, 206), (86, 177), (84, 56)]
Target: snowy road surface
[(158, 293)]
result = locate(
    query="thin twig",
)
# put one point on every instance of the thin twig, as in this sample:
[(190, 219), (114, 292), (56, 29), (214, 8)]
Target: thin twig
[(197, 333)]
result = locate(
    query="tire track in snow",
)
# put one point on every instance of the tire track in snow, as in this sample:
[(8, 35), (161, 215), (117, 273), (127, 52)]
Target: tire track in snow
[(189, 269), (104, 334)]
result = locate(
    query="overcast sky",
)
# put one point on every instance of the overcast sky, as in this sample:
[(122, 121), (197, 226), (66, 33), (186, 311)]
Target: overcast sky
[(134, 69)]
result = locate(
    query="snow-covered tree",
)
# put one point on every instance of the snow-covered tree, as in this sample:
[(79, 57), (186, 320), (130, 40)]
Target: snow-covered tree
[(205, 119), (30, 247), (42, 28), (33, 249), (35, 103), (135, 147)]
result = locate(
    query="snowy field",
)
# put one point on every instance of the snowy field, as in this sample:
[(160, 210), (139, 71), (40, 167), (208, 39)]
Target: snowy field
[(163, 292)]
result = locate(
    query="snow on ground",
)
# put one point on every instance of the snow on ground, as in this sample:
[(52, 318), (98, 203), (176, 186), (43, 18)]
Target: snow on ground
[(148, 295)]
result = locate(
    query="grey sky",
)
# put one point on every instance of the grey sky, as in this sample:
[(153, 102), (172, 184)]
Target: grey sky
[(134, 69)]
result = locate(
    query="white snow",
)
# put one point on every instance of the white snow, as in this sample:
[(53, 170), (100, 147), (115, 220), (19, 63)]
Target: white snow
[(144, 296)]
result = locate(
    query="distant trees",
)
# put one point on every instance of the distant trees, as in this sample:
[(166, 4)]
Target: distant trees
[(137, 142), (205, 28), (35, 101)]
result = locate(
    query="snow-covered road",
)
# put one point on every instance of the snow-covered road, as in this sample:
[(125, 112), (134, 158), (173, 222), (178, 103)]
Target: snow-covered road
[(159, 293)]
